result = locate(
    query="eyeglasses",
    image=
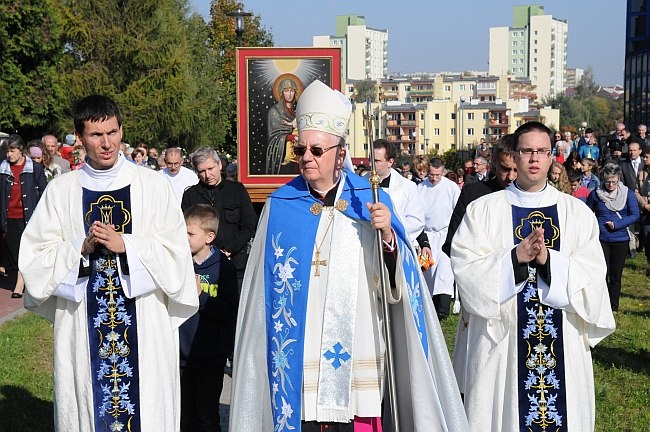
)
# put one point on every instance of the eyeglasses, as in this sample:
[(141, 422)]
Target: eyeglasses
[(300, 150), (544, 153), (611, 182)]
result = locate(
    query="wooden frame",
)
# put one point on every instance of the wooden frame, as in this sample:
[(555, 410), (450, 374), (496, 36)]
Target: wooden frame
[(260, 74)]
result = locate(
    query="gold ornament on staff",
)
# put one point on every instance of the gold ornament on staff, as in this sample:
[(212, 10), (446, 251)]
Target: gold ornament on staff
[(385, 288)]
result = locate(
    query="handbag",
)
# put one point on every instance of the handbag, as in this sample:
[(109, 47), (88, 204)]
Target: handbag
[(633, 243)]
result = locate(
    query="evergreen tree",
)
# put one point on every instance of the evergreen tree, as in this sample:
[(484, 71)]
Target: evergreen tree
[(30, 47), (223, 41)]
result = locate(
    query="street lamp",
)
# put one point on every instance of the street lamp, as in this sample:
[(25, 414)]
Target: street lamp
[(462, 121), (239, 23)]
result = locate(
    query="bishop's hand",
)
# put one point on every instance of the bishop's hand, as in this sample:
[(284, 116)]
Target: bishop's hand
[(380, 219)]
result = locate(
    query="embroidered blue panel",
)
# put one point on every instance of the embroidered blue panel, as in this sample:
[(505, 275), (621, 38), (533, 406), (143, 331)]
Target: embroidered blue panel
[(290, 241), (541, 377), (112, 323)]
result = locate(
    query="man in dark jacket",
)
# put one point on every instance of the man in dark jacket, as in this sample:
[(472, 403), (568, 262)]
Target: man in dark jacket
[(22, 183), (236, 214)]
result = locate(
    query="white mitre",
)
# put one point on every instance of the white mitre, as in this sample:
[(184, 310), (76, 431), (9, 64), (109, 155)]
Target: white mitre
[(321, 108)]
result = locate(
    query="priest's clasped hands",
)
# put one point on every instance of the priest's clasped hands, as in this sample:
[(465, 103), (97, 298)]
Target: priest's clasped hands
[(532, 248), (103, 234)]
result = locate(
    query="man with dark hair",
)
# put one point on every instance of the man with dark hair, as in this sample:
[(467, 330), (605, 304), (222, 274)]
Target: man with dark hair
[(438, 196), (532, 278), (22, 182), (236, 214), (105, 258), (403, 193)]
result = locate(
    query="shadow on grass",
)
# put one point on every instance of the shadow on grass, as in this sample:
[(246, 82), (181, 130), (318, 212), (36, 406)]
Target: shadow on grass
[(640, 314), (620, 358), (21, 411), (635, 297)]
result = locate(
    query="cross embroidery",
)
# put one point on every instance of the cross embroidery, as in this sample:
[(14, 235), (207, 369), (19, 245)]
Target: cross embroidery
[(337, 354), (317, 263)]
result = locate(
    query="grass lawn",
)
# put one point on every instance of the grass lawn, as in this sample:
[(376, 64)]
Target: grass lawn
[(621, 365)]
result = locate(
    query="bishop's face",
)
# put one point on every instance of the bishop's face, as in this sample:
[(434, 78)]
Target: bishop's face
[(321, 172)]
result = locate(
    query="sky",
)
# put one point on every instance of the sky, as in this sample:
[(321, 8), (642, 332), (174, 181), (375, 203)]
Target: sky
[(440, 36)]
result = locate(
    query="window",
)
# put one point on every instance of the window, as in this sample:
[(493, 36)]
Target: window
[(470, 116), (422, 116), (514, 61), (521, 69), (436, 131), (472, 86), (521, 52), (436, 116), (514, 43), (421, 132), (437, 146), (535, 42), (470, 131), (453, 116), (534, 59), (485, 116), (521, 61), (485, 131), (514, 70), (452, 131), (514, 52), (461, 87), (535, 50), (447, 88)]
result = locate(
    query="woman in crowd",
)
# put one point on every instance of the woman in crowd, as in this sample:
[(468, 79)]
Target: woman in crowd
[(420, 169), (643, 197), (138, 157), (557, 177), (616, 208)]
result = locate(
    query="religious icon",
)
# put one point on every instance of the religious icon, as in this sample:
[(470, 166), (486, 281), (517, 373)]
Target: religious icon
[(269, 83)]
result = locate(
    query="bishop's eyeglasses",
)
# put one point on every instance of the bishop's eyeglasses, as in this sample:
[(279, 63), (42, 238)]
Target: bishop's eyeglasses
[(300, 150)]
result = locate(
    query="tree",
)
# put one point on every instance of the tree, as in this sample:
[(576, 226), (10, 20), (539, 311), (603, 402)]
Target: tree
[(223, 42), (31, 46), (365, 89), (137, 53)]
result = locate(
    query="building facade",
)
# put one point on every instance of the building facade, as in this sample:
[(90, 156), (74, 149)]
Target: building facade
[(364, 50), (637, 64), (534, 48)]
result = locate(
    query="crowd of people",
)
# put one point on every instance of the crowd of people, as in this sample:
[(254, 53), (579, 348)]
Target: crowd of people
[(156, 280)]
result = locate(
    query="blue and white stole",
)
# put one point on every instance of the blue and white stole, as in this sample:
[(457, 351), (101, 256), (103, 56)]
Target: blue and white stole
[(288, 255), (541, 377), (112, 324)]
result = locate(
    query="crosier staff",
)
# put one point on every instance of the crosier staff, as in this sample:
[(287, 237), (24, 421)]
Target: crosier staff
[(385, 288)]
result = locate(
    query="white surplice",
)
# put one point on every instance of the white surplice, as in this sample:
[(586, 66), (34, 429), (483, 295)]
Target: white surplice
[(161, 279), (438, 202), (404, 195), (481, 260)]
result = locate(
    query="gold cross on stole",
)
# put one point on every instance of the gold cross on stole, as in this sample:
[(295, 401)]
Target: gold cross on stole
[(318, 262)]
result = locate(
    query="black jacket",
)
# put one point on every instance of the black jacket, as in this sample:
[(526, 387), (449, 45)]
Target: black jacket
[(32, 185), (469, 193), (237, 218)]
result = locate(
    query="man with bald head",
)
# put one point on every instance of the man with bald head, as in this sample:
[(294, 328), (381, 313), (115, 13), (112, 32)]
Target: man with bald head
[(52, 145), (309, 350), (179, 177)]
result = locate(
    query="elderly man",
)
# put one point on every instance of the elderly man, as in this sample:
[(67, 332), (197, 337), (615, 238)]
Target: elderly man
[(52, 145), (309, 351), (237, 218), (481, 173), (532, 279), (105, 258), (179, 177), (439, 195)]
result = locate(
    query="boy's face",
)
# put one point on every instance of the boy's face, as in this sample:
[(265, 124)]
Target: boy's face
[(198, 238), (575, 185)]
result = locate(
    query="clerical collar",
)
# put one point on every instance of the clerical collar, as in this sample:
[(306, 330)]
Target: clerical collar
[(329, 197), (385, 183), (103, 175), (527, 199)]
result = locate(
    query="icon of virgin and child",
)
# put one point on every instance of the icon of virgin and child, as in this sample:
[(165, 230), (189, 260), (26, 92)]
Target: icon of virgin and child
[(281, 124)]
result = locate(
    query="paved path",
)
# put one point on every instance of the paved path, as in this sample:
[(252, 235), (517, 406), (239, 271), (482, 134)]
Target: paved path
[(11, 308)]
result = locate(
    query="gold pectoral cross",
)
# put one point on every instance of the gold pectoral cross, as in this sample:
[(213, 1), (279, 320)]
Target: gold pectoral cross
[(318, 262)]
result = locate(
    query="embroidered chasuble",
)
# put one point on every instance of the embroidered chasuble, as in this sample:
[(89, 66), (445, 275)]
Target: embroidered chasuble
[(112, 323), (310, 346), (542, 394)]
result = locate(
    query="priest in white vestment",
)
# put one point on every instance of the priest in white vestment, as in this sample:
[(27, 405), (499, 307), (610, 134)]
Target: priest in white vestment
[(438, 196), (532, 278), (309, 350), (106, 259)]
